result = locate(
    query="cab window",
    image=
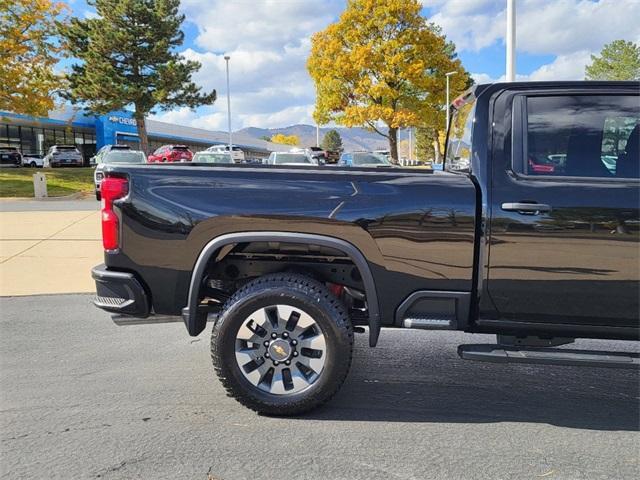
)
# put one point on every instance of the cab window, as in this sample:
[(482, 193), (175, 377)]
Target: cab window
[(582, 136)]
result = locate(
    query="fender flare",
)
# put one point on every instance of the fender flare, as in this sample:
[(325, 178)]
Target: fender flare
[(196, 321)]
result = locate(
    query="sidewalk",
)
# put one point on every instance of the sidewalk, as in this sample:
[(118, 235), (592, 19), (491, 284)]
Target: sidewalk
[(48, 251)]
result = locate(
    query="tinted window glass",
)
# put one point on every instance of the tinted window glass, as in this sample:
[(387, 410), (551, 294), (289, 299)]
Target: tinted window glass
[(369, 159), (291, 158), (583, 136)]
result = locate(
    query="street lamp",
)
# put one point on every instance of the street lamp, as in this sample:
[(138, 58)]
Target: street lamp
[(510, 40), (448, 74), (226, 58)]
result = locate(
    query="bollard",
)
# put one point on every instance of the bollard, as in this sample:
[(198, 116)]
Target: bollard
[(39, 185)]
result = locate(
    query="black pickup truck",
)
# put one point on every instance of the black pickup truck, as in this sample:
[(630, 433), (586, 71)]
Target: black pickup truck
[(532, 233)]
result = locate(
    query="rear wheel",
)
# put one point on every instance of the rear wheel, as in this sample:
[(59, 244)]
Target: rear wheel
[(282, 345), (33, 164)]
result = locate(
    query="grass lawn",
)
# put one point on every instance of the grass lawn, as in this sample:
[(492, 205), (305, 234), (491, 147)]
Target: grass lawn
[(18, 182)]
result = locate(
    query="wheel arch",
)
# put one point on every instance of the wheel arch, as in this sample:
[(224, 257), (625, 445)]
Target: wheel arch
[(196, 320)]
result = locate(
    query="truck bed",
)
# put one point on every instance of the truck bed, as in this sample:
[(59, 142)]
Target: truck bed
[(415, 228)]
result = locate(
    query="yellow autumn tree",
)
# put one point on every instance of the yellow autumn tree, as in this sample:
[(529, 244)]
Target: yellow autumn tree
[(28, 53), (285, 139), (382, 63)]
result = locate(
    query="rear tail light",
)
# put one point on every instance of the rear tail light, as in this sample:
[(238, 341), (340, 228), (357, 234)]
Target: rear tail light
[(112, 188)]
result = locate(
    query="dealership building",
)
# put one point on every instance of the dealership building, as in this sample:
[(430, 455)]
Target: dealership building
[(89, 133)]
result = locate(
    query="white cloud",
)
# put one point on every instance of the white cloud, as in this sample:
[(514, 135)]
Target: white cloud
[(564, 67), (555, 27), (268, 42), (483, 78)]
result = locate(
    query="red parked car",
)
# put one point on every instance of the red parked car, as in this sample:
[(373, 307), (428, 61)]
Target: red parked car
[(171, 153)]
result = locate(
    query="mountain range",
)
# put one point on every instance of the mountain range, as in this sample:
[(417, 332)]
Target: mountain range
[(352, 138)]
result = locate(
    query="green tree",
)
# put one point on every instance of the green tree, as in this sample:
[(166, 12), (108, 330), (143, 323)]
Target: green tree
[(128, 58), (425, 139), (28, 53), (382, 63), (618, 60), (332, 141)]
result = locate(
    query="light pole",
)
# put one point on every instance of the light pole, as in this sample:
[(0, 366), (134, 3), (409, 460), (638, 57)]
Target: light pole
[(226, 58), (448, 74), (511, 41), (317, 135)]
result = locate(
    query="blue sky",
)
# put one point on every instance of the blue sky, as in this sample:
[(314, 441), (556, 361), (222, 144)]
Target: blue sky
[(268, 41)]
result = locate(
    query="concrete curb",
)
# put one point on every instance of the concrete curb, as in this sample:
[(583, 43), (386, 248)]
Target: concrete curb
[(73, 196)]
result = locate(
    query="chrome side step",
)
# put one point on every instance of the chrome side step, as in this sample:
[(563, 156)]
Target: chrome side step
[(549, 356), (429, 323)]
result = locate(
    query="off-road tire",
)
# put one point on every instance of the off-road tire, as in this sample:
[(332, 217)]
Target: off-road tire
[(301, 292)]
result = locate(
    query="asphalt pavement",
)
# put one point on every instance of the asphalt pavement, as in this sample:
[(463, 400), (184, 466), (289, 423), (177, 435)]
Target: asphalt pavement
[(83, 398)]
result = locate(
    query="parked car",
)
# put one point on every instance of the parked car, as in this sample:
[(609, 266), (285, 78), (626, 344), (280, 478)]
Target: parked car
[(363, 160), (63, 156), (236, 152), (10, 157), (33, 160), (97, 158), (212, 157), (290, 158), (113, 156), (317, 153), (171, 154), (287, 264)]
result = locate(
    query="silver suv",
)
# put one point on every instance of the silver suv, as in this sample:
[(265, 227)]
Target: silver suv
[(63, 156)]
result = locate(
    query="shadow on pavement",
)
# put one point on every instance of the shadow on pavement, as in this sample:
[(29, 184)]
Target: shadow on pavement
[(393, 385)]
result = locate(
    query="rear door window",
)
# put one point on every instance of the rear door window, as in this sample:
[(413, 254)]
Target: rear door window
[(582, 136)]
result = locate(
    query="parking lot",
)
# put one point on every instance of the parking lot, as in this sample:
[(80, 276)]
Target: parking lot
[(82, 398)]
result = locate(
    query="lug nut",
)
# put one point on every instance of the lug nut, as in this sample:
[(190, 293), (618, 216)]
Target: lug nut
[(267, 355), (266, 344), (294, 342), (285, 335), (295, 354), (276, 363), (274, 335), (288, 362)]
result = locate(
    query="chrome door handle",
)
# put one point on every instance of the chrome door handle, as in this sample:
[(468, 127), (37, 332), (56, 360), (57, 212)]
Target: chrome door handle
[(526, 208)]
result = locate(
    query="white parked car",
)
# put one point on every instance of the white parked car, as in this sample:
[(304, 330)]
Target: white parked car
[(118, 155), (290, 158), (63, 156), (32, 160), (236, 152)]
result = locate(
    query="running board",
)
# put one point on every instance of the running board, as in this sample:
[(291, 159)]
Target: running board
[(549, 356), (125, 320)]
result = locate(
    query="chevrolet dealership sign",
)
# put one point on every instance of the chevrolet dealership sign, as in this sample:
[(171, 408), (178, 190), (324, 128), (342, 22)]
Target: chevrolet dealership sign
[(122, 120)]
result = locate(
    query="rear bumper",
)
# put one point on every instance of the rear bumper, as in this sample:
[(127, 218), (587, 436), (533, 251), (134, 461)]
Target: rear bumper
[(119, 292)]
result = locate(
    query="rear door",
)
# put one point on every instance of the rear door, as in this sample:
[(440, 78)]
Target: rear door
[(565, 209)]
